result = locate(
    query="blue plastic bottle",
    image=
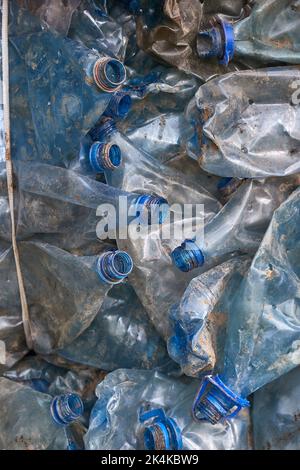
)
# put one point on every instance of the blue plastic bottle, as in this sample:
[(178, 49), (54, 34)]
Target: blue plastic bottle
[(268, 35), (239, 227), (80, 283), (92, 26), (119, 337), (276, 412), (31, 420), (200, 319), (263, 328), (246, 124), (57, 200), (140, 172), (139, 409), (46, 377), (68, 87), (155, 280)]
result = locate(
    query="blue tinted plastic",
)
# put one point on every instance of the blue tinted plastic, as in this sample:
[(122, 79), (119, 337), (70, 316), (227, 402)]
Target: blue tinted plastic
[(276, 414), (262, 336), (152, 405), (239, 227), (20, 429)]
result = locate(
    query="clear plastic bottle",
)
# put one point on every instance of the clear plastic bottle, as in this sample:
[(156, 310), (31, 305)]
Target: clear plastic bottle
[(268, 35), (119, 337), (57, 200), (239, 227), (139, 409), (140, 172), (200, 319), (45, 377), (246, 124), (74, 286), (263, 328), (31, 420), (67, 87)]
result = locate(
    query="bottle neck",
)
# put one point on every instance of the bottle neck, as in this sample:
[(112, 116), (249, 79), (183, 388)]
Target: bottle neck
[(218, 41), (188, 256), (119, 106), (103, 130), (109, 74), (114, 266), (215, 401), (66, 408), (151, 210), (104, 157), (161, 432)]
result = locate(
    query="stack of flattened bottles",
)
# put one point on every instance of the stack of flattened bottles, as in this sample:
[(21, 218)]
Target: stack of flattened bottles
[(156, 168)]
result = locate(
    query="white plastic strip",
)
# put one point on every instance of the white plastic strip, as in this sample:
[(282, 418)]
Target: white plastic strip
[(9, 169)]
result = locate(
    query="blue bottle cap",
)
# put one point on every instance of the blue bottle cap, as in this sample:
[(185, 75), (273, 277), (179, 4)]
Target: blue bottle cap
[(215, 401), (114, 266), (66, 408), (103, 130), (119, 105), (109, 74), (188, 256), (163, 433), (217, 41), (104, 157), (151, 209)]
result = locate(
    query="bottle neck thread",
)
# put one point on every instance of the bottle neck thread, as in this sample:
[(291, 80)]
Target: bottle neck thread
[(109, 74), (66, 408), (104, 157), (215, 401), (119, 105), (161, 432), (188, 256), (114, 266)]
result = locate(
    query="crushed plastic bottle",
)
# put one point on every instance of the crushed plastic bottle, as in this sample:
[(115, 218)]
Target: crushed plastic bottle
[(19, 428), (276, 414), (57, 200), (81, 284), (199, 321), (247, 124), (240, 225), (140, 172), (65, 85), (152, 411), (170, 34), (55, 380), (268, 35), (263, 327), (119, 337)]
